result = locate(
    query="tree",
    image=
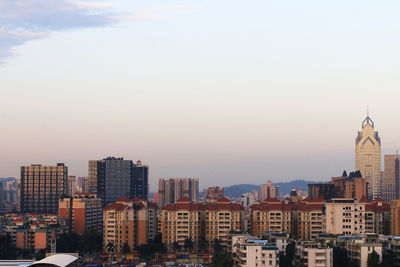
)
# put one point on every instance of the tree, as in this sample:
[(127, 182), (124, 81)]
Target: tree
[(41, 254), (110, 247), (68, 242), (285, 260), (217, 245), (389, 259), (188, 244), (145, 251), (202, 243), (340, 258), (91, 241), (354, 263), (125, 248), (176, 246), (7, 250), (373, 259)]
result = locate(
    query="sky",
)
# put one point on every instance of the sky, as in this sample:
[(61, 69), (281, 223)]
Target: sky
[(226, 91)]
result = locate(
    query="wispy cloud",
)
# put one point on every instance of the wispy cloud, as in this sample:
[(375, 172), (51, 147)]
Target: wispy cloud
[(25, 20)]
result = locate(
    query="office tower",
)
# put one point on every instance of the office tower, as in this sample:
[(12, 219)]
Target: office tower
[(92, 178), (116, 177), (131, 215), (368, 157), (1, 195), (212, 194), (140, 181), (390, 178), (71, 184), (41, 187), (172, 189), (81, 211), (269, 191)]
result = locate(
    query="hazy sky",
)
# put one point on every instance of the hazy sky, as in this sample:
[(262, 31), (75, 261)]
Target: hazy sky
[(226, 91)]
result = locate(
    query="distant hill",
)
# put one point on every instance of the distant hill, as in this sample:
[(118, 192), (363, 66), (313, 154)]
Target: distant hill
[(284, 188)]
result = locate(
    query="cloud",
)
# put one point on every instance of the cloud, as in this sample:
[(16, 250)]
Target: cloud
[(25, 20)]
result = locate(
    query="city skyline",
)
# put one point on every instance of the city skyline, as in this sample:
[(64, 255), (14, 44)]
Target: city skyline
[(197, 89)]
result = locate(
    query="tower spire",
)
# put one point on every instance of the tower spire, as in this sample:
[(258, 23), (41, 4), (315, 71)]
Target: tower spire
[(367, 110)]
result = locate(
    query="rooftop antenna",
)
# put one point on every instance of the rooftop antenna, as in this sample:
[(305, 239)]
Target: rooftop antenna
[(367, 111)]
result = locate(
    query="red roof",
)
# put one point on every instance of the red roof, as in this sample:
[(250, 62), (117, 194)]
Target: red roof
[(123, 199), (184, 200), (223, 200), (115, 206)]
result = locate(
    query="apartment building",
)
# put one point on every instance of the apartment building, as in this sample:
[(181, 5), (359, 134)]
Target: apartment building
[(313, 254), (220, 218), (269, 191), (256, 252), (81, 211), (200, 222), (271, 215), (180, 221), (126, 221), (345, 216), (310, 219), (359, 249), (212, 194), (173, 189)]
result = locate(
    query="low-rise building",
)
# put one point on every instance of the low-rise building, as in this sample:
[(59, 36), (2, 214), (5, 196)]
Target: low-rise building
[(256, 252), (360, 249), (313, 254)]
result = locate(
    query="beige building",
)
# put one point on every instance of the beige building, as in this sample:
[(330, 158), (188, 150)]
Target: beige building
[(269, 191), (201, 223), (390, 178), (312, 254), (172, 189), (255, 252), (344, 216), (368, 157), (126, 221), (359, 249)]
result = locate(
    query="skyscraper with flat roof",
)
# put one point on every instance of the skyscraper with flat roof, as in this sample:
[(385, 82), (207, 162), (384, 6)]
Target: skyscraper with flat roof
[(41, 188), (116, 177), (390, 178), (368, 157)]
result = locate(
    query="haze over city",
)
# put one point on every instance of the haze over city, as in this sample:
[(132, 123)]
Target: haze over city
[(227, 91)]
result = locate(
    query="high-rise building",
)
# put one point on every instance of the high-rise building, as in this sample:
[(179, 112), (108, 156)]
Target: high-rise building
[(71, 185), (368, 157), (212, 194), (92, 178), (41, 187), (82, 185), (116, 177), (390, 178), (269, 191), (81, 211), (172, 189), (395, 217)]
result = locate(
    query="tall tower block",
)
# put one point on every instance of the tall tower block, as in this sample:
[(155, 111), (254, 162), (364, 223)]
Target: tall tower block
[(368, 157)]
